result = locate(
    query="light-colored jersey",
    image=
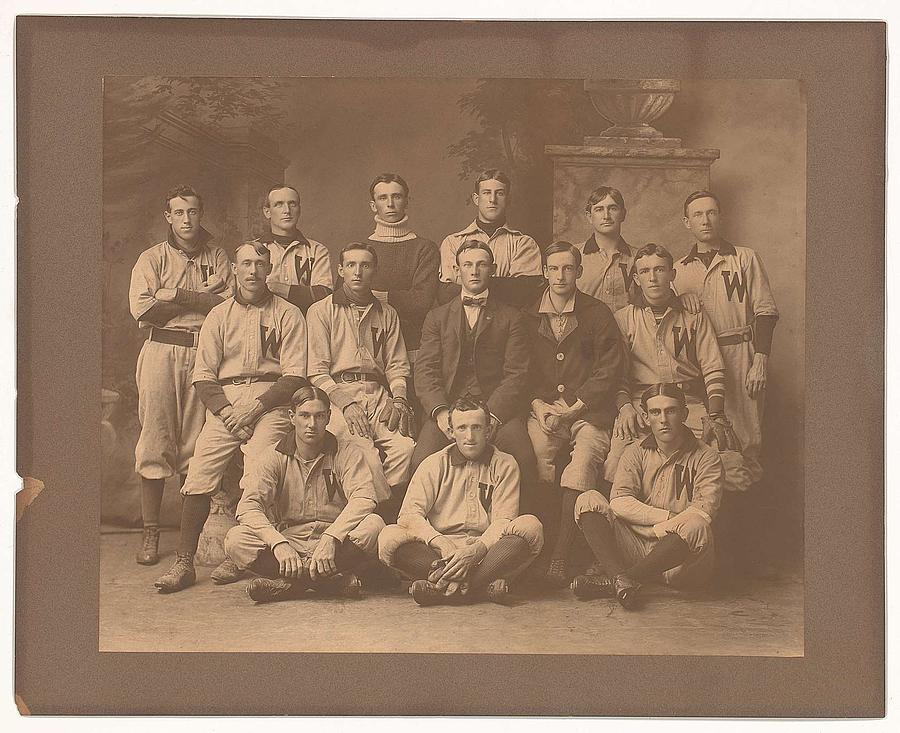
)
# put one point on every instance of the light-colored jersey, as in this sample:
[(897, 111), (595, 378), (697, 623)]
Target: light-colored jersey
[(681, 348), (734, 290), (607, 277), (302, 262), (243, 340), (343, 337), (515, 253), (165, 266), (284, 491), (450, 495), (649, 486)]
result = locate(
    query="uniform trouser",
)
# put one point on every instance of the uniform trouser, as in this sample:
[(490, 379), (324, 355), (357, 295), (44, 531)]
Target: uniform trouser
[(526, 526), (694, 422), (388, 455), (512, 438), (745, 413), (170, 412), (590, 446), (243, 544), (216, 444), (635, 545)]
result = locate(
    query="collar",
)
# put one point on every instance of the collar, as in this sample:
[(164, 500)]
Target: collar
[(688, 441), (285, 240), (458, 459), (725, 248), (202, 239), (591, 246), (243, 301), (473, 228), (640, 302), (480, 296), (546, 305), (288, 444), (386, 231), (339, 297)]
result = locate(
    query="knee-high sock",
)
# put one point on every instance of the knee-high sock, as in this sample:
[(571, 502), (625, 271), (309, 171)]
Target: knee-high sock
[(505, 555), (151, 500), (670, 552), (347, 556), (194, 513), (414, 559), (567, 525), (390, 508), (599, 535)]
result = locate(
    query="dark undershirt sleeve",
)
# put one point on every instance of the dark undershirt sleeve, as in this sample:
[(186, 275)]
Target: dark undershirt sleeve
[(159, 314), (281, 391), (212, 396), (195, 301), (303, 296), (763, 329)]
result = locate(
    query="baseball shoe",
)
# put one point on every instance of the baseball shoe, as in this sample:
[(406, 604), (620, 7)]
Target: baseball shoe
[(626, 591), (149, 552), (426, 593), (344, 585), (593, 585), (498, 592), (180, 576), (226, 573), (267, 590), (557, 573)]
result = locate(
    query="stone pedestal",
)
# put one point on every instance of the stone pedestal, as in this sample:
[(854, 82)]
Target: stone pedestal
[(654, 173)]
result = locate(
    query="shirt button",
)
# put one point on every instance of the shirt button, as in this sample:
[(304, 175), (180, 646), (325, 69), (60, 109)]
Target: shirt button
[(560, 356), (561, 388)]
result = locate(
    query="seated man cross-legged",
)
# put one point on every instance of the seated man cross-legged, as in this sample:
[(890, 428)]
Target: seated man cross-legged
[(459, 536), (306, 516), (657, 523)]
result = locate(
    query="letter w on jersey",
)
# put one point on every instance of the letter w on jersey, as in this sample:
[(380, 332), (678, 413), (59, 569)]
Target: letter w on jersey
[(684, 481), (485, 493), (303, 266), (682, 338), (332, 485), (378, 341), (735, 283), (269, 342)]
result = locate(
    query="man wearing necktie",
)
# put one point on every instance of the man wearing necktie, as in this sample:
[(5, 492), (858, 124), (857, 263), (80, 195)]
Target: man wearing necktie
[(475, 346)]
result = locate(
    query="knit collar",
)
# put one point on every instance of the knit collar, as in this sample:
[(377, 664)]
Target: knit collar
[(340, 297), (688, 441), (725, 248), (288, 444), (202, 238), (284, 240), (473, 228), (259, 303), (386, 231), (641, 302), (458, 459), (591, 246)]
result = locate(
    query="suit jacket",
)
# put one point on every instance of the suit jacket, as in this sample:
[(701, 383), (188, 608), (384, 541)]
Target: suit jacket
[(588, 363), (501, 357)]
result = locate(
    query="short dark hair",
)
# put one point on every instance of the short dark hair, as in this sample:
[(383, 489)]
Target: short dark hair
[(182, 191), (663, 389), (492, 174), (464, 404), (361, 246), (388, 178), (653, 249), (308, 393), (561, 246), (259, 247), (600, 193), (473, 244), (700, 195), (278, 187)]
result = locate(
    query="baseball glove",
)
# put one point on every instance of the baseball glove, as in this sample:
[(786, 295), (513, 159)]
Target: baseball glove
[(398, 415), (718, 428)]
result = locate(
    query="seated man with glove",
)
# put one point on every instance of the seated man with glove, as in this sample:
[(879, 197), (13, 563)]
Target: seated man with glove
[(657, 523), (459, 535)]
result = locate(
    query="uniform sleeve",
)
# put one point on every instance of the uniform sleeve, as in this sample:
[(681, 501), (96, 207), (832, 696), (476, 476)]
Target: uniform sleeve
[(448, 259), (415, 302), (321, 270), (260, 489), (396, 370), (506, 400), (708, 485), (625, 495), (709, 358), (427, 371), (624, 318), (359, 490), (144, 284), (600, 388), (318, 362), (504, 502), (526, 258), (209, 348), (420, 497), (223, 270), (761, 297)]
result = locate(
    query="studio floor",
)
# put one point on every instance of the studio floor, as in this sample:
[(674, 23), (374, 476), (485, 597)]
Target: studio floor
[(760, 617)]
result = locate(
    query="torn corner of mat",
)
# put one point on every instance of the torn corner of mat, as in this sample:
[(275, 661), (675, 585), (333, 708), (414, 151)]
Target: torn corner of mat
[(31, 487), (20, 704)]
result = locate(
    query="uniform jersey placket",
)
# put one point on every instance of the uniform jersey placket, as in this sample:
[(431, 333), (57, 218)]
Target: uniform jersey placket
[(663, 362), (251, 337), (711, 287), (471, 470)]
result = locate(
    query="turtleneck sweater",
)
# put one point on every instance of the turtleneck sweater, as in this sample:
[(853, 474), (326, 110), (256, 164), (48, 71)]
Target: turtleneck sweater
[(386, 231)]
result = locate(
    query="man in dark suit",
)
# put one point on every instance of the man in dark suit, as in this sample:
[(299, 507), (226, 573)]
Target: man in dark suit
[(477, 347)]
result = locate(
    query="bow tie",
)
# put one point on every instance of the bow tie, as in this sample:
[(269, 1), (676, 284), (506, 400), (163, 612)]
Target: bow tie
[(474, 302)]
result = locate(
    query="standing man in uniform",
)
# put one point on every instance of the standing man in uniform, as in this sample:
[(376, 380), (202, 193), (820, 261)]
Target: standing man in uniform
[(251, 358), (733, 291), (517, 258), (357, 356), (305, 515), (459, 535), (607, 258), (301, 267), (173, 286), (658, 521), (577, 363)]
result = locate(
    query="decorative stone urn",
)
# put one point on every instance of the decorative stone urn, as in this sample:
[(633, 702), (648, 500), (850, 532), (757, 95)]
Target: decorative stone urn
[(631, 105)]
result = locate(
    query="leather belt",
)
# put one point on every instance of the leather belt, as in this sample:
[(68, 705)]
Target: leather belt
[(359, 377), (736, 338), (250, 380), (174, 336)]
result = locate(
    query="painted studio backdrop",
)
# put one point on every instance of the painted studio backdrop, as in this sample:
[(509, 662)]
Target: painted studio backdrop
[(232, 138)]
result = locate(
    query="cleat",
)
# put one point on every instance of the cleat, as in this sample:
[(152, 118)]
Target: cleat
[(343, 585), (267, 590), (180, 576), (626, 591), (593, 585), (426, 593), (149, 552), (557, 573), (226, 573), (498, 592)]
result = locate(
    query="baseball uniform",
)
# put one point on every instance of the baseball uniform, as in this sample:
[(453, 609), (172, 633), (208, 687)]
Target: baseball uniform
[(607, 277), (302, 264), (289, 499), (681, 349), (247, 351), (357, 354), (654, 495), (169, 410), (736, 297)]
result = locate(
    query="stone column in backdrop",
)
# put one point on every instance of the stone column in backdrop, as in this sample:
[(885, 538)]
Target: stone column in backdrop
[(654, 173)]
